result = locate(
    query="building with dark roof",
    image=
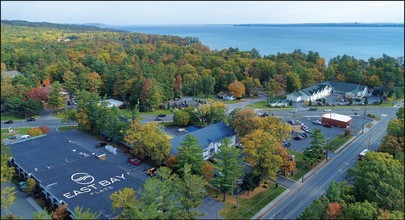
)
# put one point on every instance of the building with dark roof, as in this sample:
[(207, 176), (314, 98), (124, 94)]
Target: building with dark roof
[(12, 73), (324, 89), (349, 90), (68, 174), (209, 138)]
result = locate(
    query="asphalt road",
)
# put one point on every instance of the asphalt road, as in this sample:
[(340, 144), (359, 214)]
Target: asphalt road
[(303, 193)]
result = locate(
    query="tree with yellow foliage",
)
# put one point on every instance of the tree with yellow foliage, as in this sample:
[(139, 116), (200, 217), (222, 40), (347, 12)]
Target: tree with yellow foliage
[(237, 88), (260, 149), (148, 139)]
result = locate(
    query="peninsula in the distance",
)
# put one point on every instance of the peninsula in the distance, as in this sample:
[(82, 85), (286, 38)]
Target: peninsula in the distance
[(352, 24)]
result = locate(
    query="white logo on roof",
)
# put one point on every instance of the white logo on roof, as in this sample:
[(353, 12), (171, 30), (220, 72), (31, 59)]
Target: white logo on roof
[(82, 178)]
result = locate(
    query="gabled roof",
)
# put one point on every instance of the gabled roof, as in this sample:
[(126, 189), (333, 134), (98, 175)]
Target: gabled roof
[(205, 136), (347, 87)]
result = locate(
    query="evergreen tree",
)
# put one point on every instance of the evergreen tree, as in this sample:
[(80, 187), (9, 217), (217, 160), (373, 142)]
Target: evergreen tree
[(190, 152), (315, 152), (228, 167)]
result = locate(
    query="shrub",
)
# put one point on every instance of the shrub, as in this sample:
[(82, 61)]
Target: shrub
[(44, 129), (34, 132), (371, 115)]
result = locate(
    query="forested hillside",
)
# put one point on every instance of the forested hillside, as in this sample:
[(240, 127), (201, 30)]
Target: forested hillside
[(156, 68)]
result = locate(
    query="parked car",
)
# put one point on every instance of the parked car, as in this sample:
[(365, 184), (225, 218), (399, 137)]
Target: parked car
[(162, 115), (31, 119), (327, 125), (9, 122), (158, 119), (298, 137), (239, 145), (13, 137), (181, 129), (151, 171), (304, 135), (327, 110), (22, 186), (101, 144), (135, 161), (25, 136), (317, 122)]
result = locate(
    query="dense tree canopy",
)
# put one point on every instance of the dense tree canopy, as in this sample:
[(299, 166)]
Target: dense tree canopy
[(156, 68)]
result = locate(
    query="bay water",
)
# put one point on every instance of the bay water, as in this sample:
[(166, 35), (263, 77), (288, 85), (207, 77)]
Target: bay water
[(329, 42)]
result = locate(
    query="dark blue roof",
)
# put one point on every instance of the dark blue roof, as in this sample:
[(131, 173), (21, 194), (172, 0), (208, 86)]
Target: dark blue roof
[(56, 163), (205, 136), (192, 128)]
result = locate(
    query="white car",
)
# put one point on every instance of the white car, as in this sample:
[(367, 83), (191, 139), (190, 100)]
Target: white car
[(25, 136), (327, 110), (181, 129), (317, 122)]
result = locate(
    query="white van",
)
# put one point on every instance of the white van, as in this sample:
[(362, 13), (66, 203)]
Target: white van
[(25, 136)]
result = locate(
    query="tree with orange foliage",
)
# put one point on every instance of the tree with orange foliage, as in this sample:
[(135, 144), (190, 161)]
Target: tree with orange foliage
[(44, 129), (237, 88), (46, 82), (208, 171), (288, 165), (34, 132), (333, 211), (60, 213), (171, 161)]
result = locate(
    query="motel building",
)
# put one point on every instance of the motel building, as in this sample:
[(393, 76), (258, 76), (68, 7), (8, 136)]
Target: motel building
[(68, 174)]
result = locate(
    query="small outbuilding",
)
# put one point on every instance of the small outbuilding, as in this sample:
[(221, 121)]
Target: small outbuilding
[(342, 121)]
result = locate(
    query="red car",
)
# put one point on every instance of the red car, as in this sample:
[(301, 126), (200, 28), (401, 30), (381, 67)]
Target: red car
[(327, 125), (134, 161)]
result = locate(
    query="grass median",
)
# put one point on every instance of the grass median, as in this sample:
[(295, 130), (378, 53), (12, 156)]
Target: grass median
[(339, 141), (302, 166), (249, 204)]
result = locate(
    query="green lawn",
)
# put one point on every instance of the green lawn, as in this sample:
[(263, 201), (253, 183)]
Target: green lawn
[(249, 207), (369, 125), (68, 127), (302, 167), (7, 117), (339, 141), (5, 134)]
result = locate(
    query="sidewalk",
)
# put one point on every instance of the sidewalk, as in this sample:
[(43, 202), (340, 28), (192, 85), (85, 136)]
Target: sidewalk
[(299, 183)]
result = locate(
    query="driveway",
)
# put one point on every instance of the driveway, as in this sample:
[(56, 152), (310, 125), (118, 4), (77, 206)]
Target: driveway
[(21, 207)]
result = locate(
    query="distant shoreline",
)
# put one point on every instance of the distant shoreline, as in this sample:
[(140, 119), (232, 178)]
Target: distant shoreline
[(324, 25)]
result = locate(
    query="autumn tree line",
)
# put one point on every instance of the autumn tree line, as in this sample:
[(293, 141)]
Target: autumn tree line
[(154, 68), (374, 187)]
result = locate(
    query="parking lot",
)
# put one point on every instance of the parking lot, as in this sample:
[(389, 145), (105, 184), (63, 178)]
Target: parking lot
[(300, 145)]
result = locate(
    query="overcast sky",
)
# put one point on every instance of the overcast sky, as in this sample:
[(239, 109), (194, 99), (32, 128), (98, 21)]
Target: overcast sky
[(202, 12)]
